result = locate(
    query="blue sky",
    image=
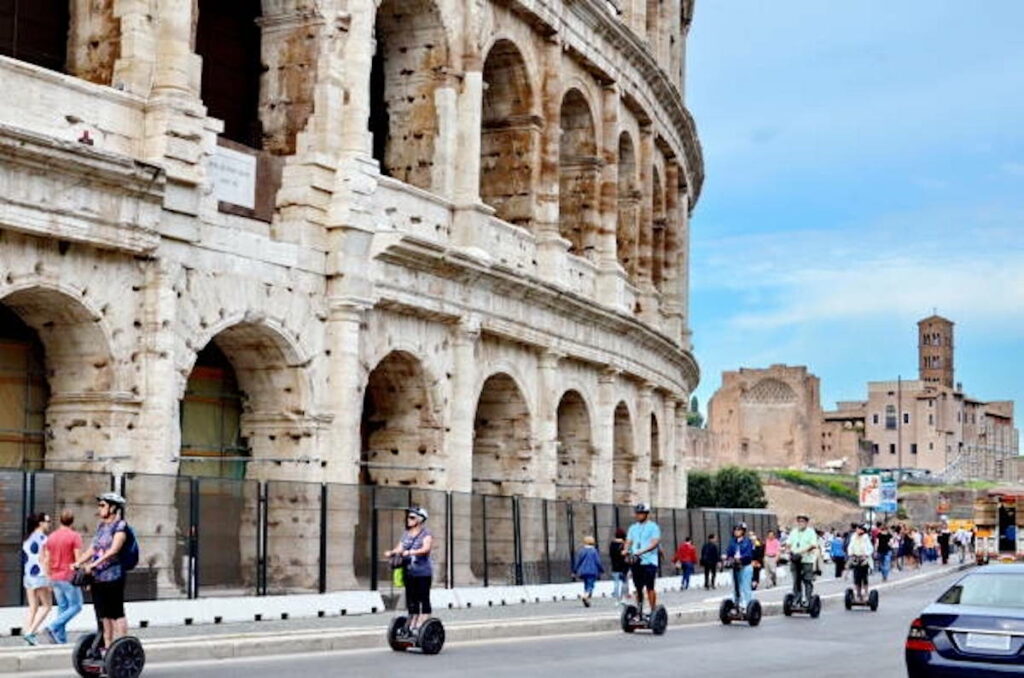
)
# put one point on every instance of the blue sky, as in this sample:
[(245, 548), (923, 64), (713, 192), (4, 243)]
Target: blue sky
[(865, 164)]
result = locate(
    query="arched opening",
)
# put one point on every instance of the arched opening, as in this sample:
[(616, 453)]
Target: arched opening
[(657, 460), (510, 136), (24, 394), (502, 441), (658, 231), (401, 435), (627, 237), (228, 38), (623, 457), (575, 479), (408, 66), (36, 31), (211, 419), (579, 174)]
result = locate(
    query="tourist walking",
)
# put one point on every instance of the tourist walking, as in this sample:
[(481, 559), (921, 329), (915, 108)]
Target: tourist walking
[(710, 555), (620, 568), (64, 549), (685, 560), (772, 546), (758, 561), (944, 540), (838, 551), (37, 583), (587, 566)]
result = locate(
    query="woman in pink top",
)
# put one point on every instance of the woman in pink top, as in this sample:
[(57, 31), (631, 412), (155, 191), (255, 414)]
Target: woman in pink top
[(771, 558)]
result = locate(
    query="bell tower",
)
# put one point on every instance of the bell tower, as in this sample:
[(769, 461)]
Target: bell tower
[(935, 350)]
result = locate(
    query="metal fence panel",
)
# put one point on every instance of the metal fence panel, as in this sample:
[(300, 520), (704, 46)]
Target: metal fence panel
[(293, 537), (493, 548), (228, 535), (12, 521), (159, 511)]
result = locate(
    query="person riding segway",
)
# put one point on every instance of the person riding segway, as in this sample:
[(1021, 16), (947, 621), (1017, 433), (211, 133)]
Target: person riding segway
[(860, 552), (802, 544), (641, 552), (411, 555), (739, 557), (110, 651)]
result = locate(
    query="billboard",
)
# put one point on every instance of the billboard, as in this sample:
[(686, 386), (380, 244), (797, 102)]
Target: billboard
[(870, 490), (879, 491)]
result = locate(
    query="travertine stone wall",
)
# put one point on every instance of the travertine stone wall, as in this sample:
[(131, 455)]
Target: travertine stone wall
[(479, 213)]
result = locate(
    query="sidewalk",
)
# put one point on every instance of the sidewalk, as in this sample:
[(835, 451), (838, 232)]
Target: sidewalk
[(180, 643)]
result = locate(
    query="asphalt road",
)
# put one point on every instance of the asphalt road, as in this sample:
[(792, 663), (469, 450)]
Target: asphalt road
[(838, 645)]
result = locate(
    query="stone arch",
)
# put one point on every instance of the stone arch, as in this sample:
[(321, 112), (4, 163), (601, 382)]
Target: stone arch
[(503, 455), (623, 456), (579, 175), (401, 433), (510, 135), (56, 353), (273, 395), (627, 237), (658, 224), (770, 392), (410, 63), (36, 31), (575, 477), (657, 459)]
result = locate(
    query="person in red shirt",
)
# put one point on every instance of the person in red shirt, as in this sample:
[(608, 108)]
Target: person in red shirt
[(64, 547), (685, 559)]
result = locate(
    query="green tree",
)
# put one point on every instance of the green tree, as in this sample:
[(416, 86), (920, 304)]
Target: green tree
[(736, 487), (694, 417), (700, 490)]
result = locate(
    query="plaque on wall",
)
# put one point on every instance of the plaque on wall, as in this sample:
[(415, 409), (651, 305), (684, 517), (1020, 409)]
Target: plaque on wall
[(233, 175)]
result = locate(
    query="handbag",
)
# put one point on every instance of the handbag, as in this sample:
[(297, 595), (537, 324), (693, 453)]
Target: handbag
[(82, 579)]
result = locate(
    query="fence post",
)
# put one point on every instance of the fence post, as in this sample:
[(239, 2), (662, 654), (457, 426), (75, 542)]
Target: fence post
[(374, 538), (25, 510), (483, 522), (449, 546), (572, 530), (193, 538), (323, 537), (547, 540), (594, 511), (517, 537), (262, 536)]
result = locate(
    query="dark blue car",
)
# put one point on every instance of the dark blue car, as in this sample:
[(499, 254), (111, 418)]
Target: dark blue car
[(974, 630)]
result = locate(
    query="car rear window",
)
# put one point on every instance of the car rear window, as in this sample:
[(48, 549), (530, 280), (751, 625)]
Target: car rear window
[(987, 590)]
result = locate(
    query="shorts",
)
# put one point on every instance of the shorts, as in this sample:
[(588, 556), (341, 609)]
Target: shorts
[(644, 576), (108, 598), (38, 581)]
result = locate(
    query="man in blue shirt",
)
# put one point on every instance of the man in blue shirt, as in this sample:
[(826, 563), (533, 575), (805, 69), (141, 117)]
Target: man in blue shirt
[(641, 549)]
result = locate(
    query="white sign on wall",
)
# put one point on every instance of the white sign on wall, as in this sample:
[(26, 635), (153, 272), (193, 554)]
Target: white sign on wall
[(870, 490), (233, 175)]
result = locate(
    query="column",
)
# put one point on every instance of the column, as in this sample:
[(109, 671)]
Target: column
[(547, 424), (357, 56), (683, 268), (670, 297), (469, 210), (462, 413), (446, 102), (551, 246), (611, 280), (642, 469), (646, 292), (670, 456), (604, 437)]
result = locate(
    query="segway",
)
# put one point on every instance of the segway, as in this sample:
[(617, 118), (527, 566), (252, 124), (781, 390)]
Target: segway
[(428, 639), (731, 611), (124, 658), (792, 605), (852, 600), (634, 618)]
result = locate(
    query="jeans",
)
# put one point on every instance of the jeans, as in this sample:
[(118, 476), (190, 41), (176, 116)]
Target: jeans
[(588, 583), (745, 578), (885, 565), (687, 573), (69, 604), (619, 588)]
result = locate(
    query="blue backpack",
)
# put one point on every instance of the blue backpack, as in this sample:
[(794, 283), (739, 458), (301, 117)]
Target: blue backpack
[(129, 554)]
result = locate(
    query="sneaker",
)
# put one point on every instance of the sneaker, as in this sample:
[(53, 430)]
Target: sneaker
[(31, 639), (51, 636), (586, 601)]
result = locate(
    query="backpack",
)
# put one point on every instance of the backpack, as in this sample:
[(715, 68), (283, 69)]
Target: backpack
[(129, 553)]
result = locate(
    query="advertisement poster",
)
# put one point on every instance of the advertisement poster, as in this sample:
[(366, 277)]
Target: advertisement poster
[(870, 490)]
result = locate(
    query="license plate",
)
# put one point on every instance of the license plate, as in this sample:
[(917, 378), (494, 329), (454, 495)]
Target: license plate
[(988, 641)]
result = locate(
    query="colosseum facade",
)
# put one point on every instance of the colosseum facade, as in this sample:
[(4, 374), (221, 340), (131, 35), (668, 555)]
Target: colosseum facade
[(415, 243)]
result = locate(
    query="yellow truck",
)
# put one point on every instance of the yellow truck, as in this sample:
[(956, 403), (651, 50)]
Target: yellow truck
[(999, 526)]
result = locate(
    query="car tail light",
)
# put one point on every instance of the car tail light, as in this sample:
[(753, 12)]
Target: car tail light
[(917, 638)]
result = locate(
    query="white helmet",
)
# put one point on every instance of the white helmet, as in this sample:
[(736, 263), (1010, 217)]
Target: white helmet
[(419, 512), (642, 508), (112, 498)]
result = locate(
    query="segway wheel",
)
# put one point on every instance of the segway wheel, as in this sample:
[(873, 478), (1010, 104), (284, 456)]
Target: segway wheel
[(627, 617), (754, 613), (125, 658), (848, 599), (814, 609), (725, 611), (431, 638), (787, 604), (873, 601), (659, 620), (396, 625), (82, 649)]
